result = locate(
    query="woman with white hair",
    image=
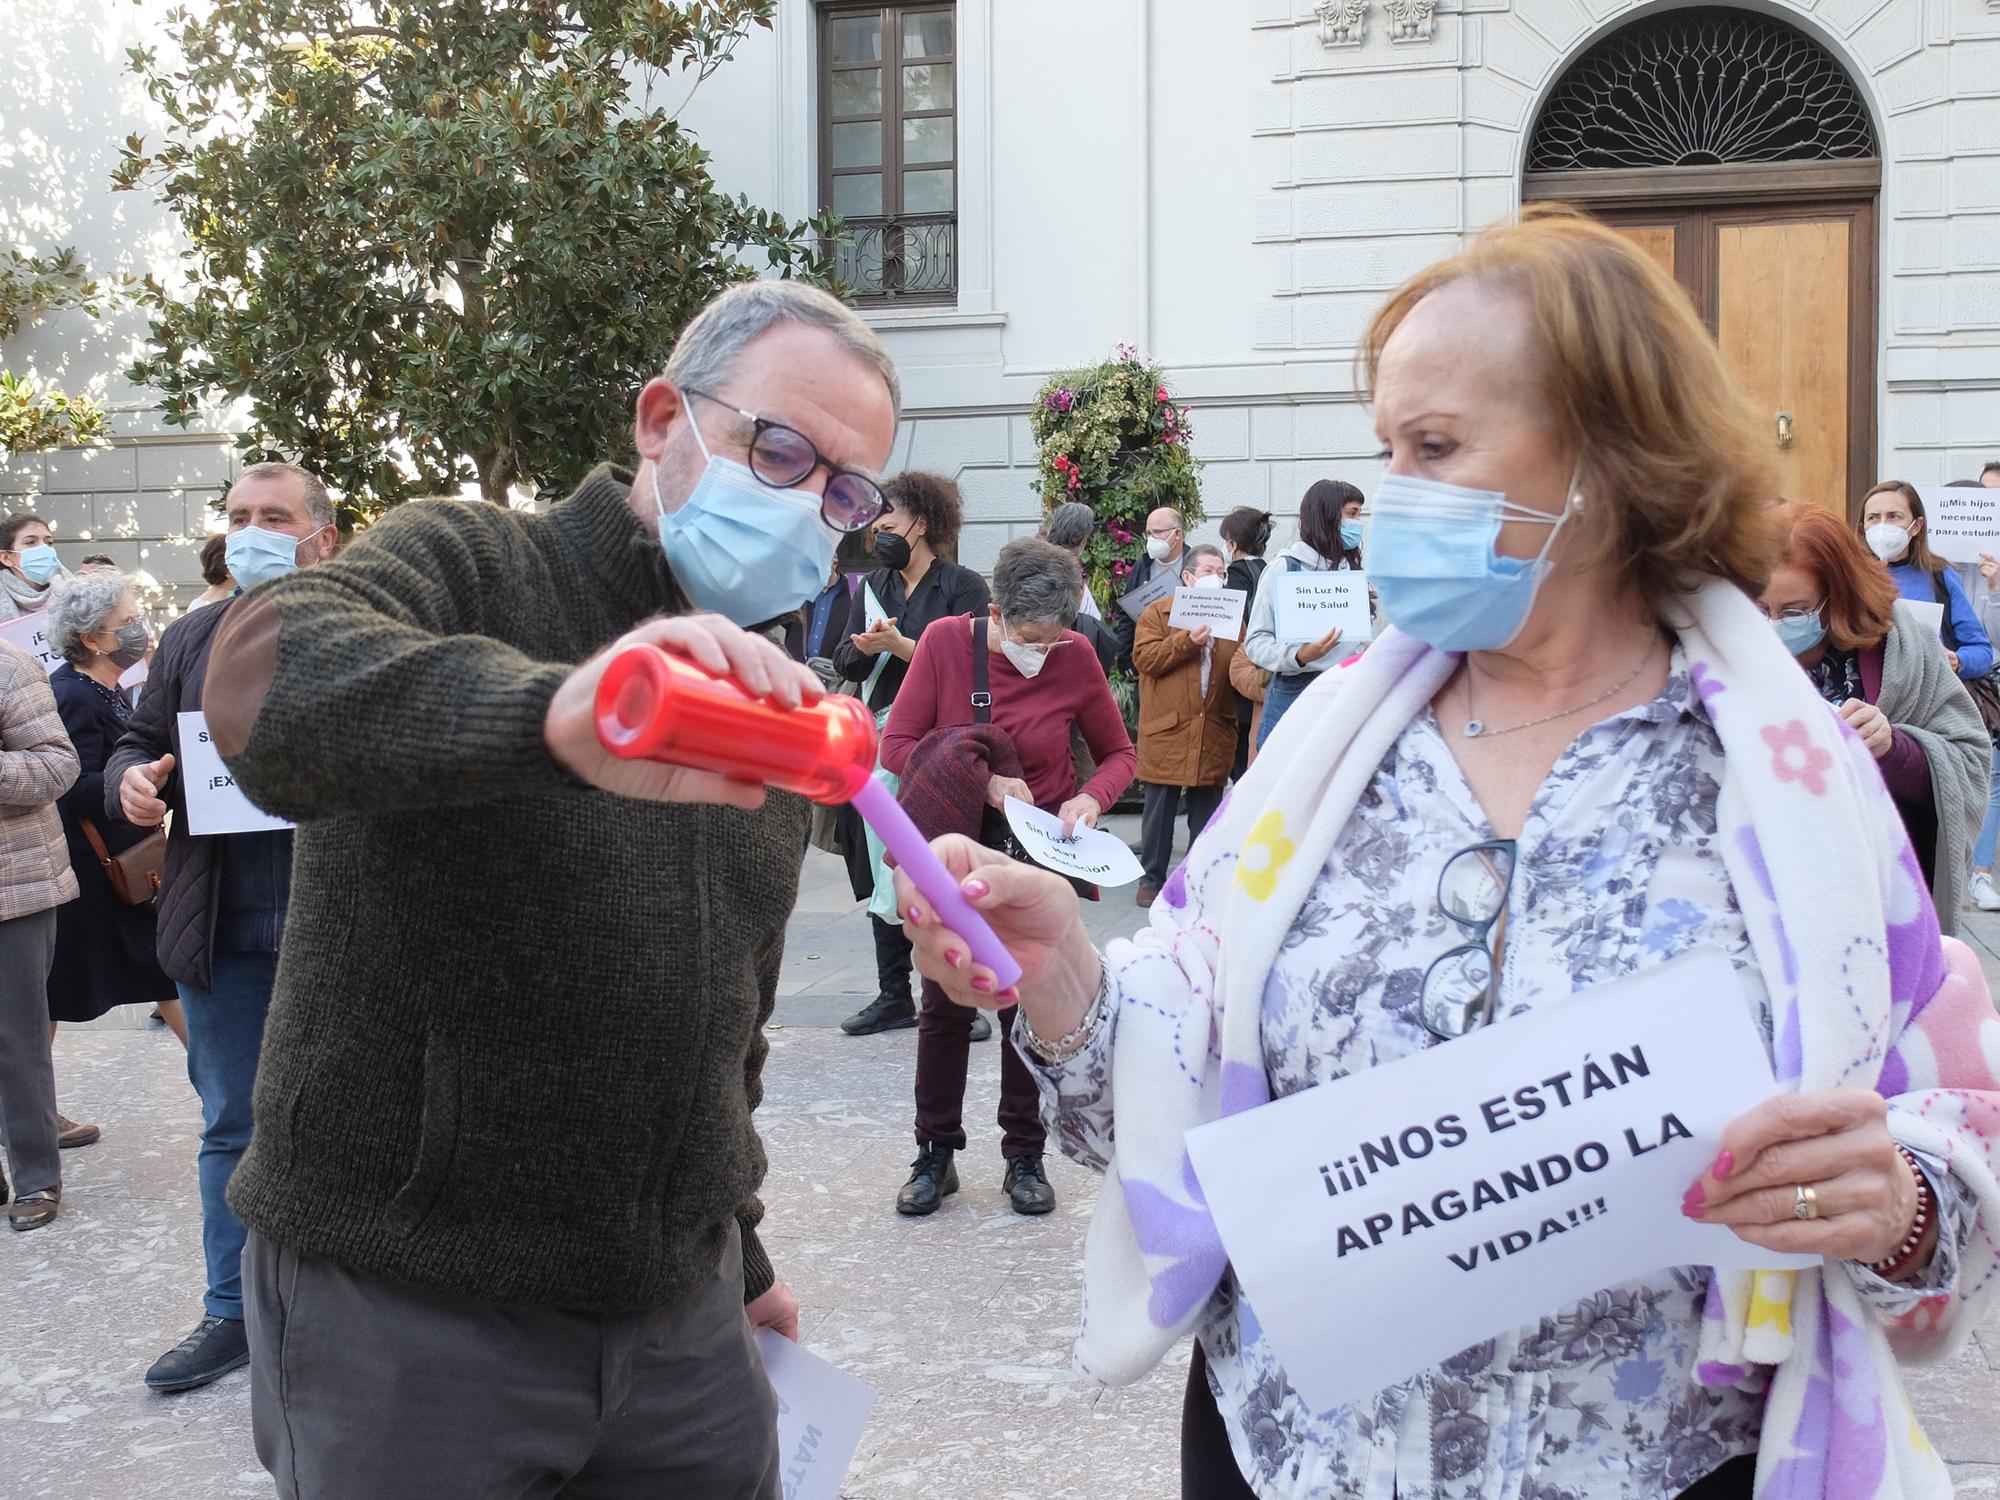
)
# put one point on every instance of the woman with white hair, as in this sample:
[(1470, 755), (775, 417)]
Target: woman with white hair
[(105, 953)]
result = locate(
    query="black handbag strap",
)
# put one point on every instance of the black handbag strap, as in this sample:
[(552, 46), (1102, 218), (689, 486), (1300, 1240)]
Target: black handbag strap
[(982, 699)]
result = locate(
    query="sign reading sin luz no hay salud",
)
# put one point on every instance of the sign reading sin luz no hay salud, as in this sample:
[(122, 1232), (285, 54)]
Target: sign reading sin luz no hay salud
[(1422, 1206)]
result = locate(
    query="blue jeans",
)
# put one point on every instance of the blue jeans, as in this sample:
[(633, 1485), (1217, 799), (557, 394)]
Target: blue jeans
[(225, 1026), (1278, 697), (1989, 831)]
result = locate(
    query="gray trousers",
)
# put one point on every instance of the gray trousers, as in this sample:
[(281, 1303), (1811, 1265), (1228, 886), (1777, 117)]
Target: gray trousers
[(362, 1386), (27, 1072)]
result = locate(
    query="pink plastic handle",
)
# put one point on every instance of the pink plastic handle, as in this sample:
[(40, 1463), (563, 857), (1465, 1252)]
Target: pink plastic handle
[(915, 859)]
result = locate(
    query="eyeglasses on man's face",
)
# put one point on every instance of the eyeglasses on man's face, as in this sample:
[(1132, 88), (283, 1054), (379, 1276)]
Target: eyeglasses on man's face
[(783, 458)]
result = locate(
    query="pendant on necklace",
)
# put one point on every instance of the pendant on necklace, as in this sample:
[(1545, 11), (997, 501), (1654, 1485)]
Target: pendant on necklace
[(1474, 729)]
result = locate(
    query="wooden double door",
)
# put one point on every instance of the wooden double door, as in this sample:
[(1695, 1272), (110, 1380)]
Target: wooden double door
[(1788, 289), (1780, 261)]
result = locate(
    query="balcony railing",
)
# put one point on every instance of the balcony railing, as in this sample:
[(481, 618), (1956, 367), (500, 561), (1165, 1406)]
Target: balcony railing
[(911, 259)]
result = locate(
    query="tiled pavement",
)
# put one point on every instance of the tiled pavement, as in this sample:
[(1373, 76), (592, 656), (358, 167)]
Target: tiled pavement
[(962, 1321)]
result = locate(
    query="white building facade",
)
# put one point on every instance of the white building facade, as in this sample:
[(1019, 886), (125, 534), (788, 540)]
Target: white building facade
[(1233, 185)]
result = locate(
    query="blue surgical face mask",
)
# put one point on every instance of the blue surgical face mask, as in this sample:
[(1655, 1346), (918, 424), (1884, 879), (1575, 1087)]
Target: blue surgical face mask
[(1800, 633), (40, 563), (254, 555), (1350, 535), (1432, 563), (740, 548)]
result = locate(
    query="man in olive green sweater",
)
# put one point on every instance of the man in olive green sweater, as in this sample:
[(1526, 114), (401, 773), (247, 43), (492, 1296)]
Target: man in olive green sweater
[(502, 1184)]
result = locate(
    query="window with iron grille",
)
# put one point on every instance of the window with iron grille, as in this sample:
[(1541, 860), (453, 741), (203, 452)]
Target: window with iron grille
[(888, 147)]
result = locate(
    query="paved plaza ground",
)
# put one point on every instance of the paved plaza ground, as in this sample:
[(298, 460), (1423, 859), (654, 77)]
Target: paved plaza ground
[(962, 1322)]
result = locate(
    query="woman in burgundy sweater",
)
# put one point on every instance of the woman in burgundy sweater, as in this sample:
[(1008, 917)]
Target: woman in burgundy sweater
[(1835, 608), (1042, 677)]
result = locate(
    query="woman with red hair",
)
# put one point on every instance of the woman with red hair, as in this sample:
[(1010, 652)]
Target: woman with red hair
[(1889, 677)]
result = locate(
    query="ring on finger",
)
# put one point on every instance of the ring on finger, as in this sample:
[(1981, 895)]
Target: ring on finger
[(1806, 1205)]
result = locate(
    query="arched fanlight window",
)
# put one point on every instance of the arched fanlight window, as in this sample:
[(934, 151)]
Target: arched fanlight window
[(1705, 87)]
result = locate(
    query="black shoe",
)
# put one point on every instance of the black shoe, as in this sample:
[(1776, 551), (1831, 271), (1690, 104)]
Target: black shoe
[(1027, 1185), (883, 1013), (932, 1180), (217, 1346), (982, 1026)]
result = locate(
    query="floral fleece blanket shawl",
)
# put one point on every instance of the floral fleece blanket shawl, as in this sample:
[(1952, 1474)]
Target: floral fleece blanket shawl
[(1864, 993)]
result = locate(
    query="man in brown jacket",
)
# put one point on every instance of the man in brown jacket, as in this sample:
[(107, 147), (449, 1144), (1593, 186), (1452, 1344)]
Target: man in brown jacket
[(1187, 720), (37, 765)]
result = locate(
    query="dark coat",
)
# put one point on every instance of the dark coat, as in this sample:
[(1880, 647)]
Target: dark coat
[(190, 894), (104, 948), (945, 590), (1122, 624)]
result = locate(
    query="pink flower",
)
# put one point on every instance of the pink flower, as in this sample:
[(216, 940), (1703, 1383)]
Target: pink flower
[(1120, 569), (1128, 352), (1160, 395), (1794, 757)]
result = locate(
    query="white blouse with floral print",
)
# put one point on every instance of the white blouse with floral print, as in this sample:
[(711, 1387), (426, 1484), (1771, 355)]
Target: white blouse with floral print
[(1616, 869)]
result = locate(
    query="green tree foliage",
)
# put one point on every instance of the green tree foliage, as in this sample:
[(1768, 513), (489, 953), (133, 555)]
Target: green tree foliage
[(440, 241), (31, 416)]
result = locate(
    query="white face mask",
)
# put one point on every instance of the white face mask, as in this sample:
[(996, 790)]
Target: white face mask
[(1027, 660), (1209, 581), (1159, 549), (1887, 540)]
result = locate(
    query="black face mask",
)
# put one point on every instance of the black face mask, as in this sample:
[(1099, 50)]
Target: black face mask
[(892, 550)]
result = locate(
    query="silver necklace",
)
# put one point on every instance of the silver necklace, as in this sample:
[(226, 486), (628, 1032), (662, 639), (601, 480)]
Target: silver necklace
[(1476, 729)]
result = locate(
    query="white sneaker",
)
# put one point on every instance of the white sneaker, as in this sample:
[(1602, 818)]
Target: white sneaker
[(1984, 896)]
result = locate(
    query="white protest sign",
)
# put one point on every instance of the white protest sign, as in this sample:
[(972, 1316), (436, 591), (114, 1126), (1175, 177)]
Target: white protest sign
[(821, 1412), (214, 805), (873, 614), (1221, 610), (1930, 616), (1089, 853), (29, 634), (1416, 1208), (1307, 605), (1162, 582), (1960, 522)]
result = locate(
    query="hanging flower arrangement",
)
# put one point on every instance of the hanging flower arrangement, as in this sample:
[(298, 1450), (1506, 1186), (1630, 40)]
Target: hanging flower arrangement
[(1113, 437)]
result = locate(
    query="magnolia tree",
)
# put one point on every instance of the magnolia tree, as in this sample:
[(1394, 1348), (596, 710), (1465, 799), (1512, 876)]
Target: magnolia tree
[(1113, 437), (33, 415), (432, 243)]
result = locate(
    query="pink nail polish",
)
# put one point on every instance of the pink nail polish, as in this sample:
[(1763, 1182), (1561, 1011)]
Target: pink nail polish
[(982, 982), (1725, 1163), (974, 887), (916, 915), (1691, 1203), (954, 957)]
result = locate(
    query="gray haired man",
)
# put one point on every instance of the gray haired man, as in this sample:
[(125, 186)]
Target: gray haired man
[(503, 1187)]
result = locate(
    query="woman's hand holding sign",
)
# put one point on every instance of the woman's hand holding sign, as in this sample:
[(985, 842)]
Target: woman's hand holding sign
[(1836, 1145), (1032, 912)]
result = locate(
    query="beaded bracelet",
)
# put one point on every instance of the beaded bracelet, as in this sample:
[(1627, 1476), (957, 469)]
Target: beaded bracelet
[(1065, 1047), (1898, 1265)]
